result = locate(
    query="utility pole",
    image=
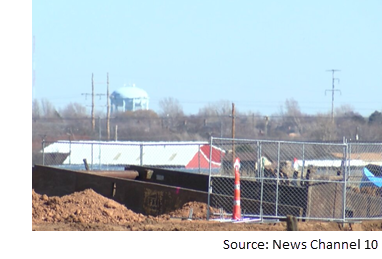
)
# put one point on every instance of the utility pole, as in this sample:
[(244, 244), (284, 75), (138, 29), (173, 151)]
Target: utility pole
[(108, 110), (99, 128), (93, 108), (332, 90), (92, 112), (93, 119), (266, 118), (116, 133)]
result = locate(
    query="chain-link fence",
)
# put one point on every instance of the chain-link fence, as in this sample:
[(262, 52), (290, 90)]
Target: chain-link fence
[(323, 181), (364, 185), (335, 181)]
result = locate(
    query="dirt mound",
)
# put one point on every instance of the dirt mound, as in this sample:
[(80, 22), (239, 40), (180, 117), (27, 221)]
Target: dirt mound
[(198, 209), (88, 210), (83, 207), (90, 207)]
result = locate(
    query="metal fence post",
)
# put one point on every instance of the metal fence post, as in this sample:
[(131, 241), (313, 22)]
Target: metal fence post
[(258, 160), (209, 181), (141, 154), (262, 183), (343, 167), (221, 154), (199, 156), (278, 178), (43, 151), (303, 163), (91, 167), (99, 155), (70, 151), (349, 156)]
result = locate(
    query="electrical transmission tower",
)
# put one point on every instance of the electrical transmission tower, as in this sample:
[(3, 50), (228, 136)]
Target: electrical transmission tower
[(333, 90)]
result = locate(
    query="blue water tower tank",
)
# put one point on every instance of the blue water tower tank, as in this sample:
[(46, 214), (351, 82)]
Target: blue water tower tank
[(129, 98)]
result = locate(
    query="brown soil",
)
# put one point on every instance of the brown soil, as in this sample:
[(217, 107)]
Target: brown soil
[(88, 210)]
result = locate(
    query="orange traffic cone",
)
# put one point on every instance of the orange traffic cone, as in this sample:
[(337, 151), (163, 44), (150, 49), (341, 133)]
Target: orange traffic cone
[(236, 200)]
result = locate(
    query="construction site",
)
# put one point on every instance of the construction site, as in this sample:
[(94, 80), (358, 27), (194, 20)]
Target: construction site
[(322, 186)]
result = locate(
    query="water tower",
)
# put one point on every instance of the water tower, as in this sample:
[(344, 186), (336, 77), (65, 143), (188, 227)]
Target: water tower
[(129, 98)]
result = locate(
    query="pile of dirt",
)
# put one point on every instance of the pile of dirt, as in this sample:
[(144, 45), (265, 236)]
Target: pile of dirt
[(196, 210), (90, 207), (81, 207)]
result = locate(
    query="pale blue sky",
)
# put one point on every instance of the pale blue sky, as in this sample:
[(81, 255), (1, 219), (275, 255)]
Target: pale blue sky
[(255, 54)]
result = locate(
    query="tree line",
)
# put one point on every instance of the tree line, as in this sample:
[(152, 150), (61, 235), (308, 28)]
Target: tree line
[(215, 119)]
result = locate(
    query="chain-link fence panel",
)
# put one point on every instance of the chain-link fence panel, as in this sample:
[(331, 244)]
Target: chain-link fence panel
[(364, 181), (222, 182), (280, 178)]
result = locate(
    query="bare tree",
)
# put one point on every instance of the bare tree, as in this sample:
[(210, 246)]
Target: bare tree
[(170, 107), (344, 109), (219, 108), (291, 119), (348, 122), (322, 128), (47, 108), (74, 110), (36, 111)]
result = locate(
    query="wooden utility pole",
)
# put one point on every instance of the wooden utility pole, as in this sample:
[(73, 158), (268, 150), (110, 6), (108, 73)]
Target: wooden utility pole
[(93, 94), (108, 110), (93, 118), (233, 135)]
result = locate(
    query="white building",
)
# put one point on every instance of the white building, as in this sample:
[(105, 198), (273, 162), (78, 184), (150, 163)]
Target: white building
[(184, 154), (129, 98)]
